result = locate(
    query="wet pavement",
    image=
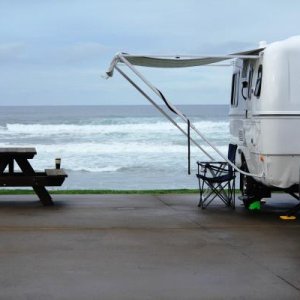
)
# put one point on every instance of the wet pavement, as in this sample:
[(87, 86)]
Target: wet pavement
[(146, 247)]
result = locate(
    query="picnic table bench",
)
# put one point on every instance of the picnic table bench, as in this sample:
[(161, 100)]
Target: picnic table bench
[(27, 176)]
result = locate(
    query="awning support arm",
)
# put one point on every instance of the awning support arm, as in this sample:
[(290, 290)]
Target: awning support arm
[(160, 109)]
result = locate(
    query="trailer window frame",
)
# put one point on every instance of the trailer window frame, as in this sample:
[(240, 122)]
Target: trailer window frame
[(234, 89), (257, 90), (250, 79)]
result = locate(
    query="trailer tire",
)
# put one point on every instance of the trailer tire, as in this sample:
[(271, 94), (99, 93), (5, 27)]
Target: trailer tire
[(251, 189), (247, 186)]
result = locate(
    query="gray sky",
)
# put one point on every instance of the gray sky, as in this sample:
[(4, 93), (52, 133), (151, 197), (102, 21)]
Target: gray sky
[(54, 52)]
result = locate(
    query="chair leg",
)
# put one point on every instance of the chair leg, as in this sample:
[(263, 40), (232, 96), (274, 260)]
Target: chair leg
[(201, 190), (231, 196), (225, 191), (200, 195), (220, 191), (207, 199), (233, 200)]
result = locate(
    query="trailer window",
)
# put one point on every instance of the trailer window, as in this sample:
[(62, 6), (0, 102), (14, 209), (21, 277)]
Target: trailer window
[(258, 82), (250, 77), (234, 89)]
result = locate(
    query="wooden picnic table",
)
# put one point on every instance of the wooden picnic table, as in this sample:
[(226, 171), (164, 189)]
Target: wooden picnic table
[(27, 176)]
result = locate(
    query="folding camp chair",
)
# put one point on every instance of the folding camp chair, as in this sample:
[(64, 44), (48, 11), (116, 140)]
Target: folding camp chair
[(217, 180)]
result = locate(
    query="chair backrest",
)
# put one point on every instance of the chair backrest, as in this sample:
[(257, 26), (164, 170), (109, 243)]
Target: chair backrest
[(231, 155)]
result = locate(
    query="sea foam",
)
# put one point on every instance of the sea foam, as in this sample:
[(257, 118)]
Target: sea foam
[(207, 127)]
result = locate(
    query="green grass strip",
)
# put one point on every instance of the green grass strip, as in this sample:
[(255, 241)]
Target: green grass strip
[(99, 192)]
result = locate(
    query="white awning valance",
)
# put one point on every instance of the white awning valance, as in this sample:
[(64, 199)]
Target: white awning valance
[(177, 61)]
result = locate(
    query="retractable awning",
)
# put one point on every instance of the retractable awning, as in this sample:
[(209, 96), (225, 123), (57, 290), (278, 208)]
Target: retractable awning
[(177, 61)]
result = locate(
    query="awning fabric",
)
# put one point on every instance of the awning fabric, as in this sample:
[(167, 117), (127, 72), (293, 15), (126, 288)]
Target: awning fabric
[(177, 61)]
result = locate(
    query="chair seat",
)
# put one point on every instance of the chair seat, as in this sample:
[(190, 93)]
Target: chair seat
[(217, 179)]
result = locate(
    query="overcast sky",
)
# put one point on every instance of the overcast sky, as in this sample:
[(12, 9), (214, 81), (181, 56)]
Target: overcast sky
[(54, 52)]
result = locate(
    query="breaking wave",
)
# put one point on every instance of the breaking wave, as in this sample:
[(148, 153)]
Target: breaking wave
[(114, 146), (207, 127), (96, 170)]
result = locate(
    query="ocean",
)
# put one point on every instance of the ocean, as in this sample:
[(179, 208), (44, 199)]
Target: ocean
[(114, 147)]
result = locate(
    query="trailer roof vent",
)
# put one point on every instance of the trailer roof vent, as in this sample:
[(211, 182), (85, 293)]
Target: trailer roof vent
[(262, 44)]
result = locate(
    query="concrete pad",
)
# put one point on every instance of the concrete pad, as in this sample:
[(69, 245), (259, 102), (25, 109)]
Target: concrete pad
[(145, 247)]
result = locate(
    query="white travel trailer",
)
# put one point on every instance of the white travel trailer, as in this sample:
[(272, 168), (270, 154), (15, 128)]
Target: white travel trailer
[(264, 111), (265, 117)]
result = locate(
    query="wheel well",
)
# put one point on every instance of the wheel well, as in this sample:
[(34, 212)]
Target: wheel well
[(249, 186)]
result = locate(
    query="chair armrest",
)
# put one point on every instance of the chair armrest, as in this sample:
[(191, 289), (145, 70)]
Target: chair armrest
[(211, 162), (213, 167)]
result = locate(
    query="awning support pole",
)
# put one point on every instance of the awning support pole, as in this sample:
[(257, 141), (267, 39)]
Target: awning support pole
[(189, 146)]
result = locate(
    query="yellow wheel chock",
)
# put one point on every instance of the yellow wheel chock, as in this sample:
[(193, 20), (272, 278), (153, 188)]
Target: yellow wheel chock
[(288, 218)]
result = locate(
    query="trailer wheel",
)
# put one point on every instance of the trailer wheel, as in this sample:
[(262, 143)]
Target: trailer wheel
[(246, 182), (247, 186), (251, 190)]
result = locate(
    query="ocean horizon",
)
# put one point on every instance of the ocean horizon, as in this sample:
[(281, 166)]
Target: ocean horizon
[(113, 146)]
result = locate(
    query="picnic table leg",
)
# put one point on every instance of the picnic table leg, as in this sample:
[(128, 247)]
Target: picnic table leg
[(3, 165), (11, 166), (25, 166), (41, 191), (43, 195)]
